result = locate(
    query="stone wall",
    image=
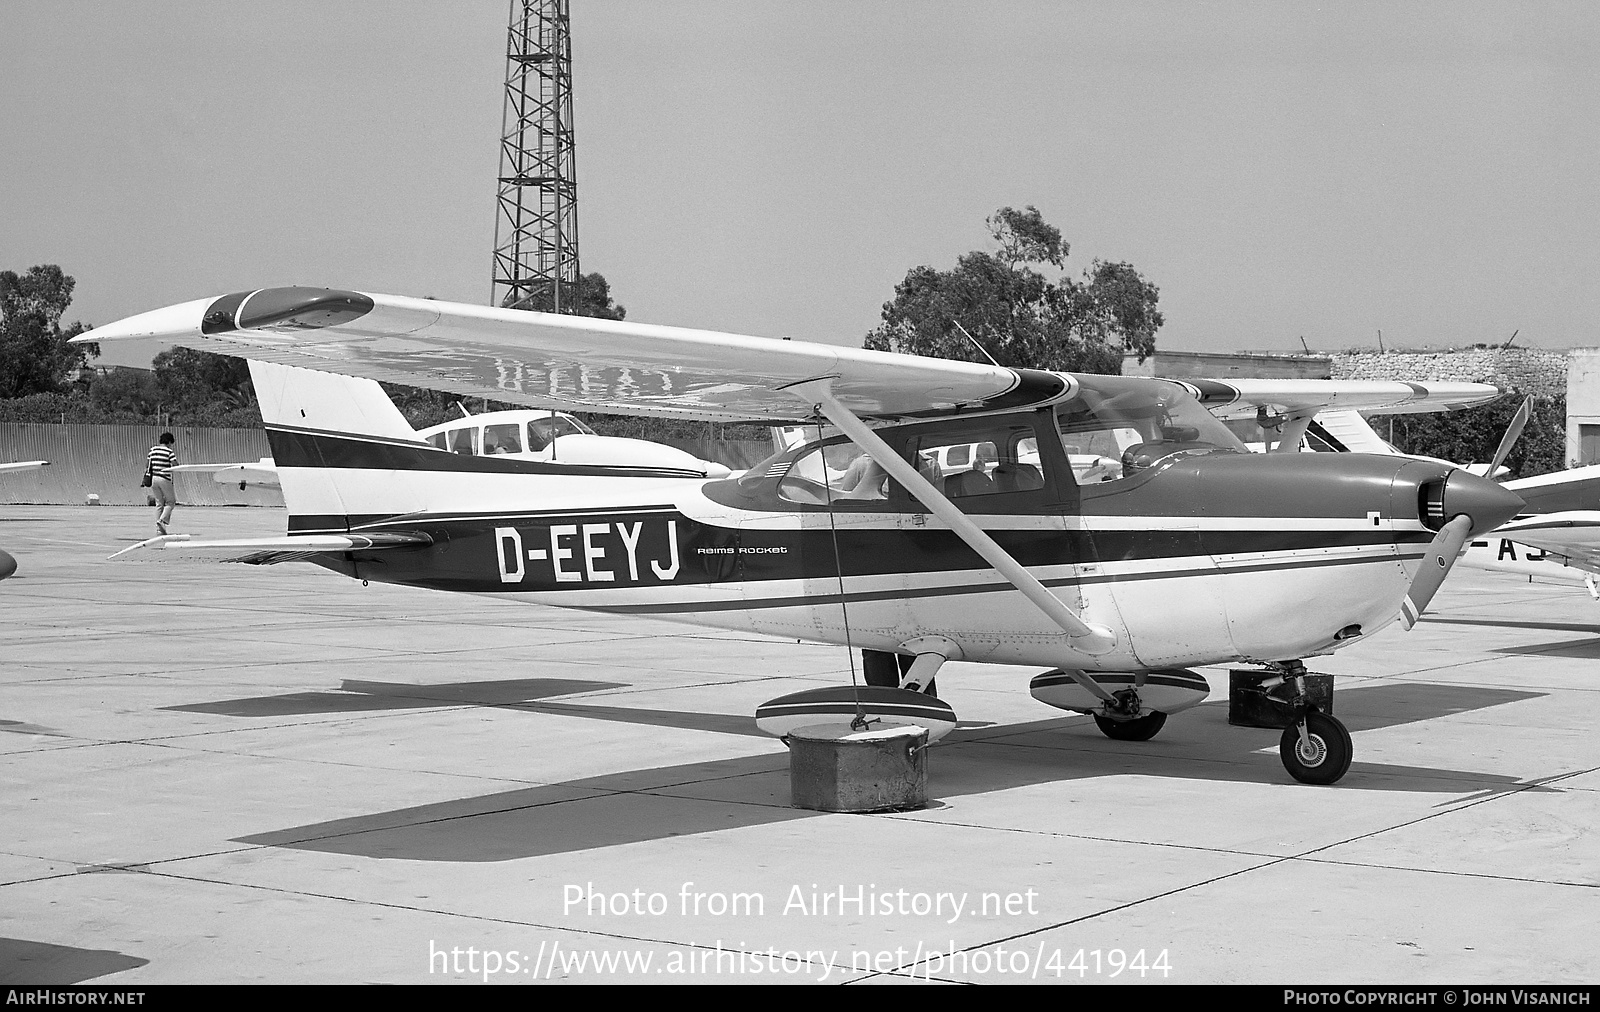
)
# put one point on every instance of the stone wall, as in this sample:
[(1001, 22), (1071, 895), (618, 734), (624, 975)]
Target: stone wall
[(1533, 371)]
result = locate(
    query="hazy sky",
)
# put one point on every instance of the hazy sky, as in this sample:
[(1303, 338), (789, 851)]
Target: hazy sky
[(1278, 169)]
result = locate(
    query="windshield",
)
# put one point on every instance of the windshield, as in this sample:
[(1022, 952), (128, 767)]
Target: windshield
[(1115, 426), (542, 430)]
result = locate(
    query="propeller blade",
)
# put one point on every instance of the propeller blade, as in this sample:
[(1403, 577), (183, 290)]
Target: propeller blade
[(1442, 552), (1507, 441)]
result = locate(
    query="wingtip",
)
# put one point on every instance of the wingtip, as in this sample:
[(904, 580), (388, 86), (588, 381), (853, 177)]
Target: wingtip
[(169, 322), (159, 541)]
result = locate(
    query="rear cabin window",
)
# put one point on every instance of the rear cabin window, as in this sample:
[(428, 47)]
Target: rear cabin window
[(463, 440), (437, 439), (977, 461), (972, 459)]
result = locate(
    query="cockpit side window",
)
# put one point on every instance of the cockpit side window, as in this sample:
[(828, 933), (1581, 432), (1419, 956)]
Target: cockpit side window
[(834, 472), (1116, 427), (542, 430)]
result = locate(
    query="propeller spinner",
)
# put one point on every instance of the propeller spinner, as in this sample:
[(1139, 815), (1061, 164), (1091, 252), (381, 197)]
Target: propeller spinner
[(1458, 507)]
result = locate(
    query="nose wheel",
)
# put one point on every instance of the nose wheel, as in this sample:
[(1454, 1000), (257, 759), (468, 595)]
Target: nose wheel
[(1316, 749)]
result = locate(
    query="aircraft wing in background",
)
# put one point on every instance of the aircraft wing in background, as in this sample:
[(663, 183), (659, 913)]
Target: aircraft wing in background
[(262, 472), (1243, 398)]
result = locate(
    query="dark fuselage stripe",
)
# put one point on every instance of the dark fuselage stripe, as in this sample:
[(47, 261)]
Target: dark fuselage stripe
[(809, 600)]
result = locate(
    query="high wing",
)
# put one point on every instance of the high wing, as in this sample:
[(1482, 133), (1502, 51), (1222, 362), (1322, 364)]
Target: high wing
[(548, 361), (1294, 407), (1242, 398), (23, 465)]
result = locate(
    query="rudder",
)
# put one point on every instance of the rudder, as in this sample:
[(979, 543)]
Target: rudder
[(331, 437)]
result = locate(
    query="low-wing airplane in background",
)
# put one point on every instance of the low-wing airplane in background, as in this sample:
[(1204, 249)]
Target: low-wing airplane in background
[(8, 565), (1194, 552), (1556, 536), (550, 436)]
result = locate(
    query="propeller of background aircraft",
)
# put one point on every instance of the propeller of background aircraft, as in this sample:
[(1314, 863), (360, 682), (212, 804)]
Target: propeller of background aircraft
[(1457, 510), (1507, 441)]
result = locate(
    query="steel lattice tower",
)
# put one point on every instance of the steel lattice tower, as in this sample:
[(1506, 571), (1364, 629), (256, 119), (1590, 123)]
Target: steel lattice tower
[(536, 225)]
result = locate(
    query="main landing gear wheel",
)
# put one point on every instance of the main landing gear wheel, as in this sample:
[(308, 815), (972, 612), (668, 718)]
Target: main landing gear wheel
[(1324, 756), (1138, 729)]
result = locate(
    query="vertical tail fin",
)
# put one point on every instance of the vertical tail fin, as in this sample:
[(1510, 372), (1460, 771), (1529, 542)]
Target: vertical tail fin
[(335, 441)]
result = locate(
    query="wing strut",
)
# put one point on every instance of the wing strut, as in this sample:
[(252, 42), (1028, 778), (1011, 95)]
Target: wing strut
[(1091, 639)]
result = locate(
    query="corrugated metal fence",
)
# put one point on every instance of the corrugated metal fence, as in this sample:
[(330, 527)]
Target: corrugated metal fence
[(108, 461)]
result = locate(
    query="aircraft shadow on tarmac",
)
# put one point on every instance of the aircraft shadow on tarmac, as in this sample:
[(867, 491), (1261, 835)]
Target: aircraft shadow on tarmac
[(651, 804), (1591, 628), (33, 963), (356, 696)]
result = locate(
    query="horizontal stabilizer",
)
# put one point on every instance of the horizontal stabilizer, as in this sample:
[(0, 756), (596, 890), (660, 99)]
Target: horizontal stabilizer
[(266, 551)]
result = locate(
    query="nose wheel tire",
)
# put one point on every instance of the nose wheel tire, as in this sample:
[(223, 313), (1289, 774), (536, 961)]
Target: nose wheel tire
[(1324, 754), (1138, 729)]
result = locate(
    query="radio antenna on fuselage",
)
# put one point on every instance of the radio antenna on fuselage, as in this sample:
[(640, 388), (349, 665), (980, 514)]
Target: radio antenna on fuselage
[(464, 412)]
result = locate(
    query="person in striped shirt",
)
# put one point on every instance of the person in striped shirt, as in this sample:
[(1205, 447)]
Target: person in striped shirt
[(162, 458)]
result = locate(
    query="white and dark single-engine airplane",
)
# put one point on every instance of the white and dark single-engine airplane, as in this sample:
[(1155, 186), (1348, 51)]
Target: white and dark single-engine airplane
[(1190, 551)]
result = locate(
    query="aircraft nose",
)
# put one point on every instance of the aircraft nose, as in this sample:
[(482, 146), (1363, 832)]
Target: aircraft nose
[(1488, 503)]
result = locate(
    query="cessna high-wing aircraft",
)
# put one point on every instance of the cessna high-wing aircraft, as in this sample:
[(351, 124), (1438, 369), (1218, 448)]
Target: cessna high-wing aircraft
[(1193, 552)]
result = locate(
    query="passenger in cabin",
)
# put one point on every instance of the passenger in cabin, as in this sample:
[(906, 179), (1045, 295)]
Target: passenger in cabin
[(502, 439), (864, 479)]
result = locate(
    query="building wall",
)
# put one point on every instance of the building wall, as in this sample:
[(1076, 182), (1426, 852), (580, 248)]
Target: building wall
[(1583, 407), (1533, 371), (1212, 365)]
